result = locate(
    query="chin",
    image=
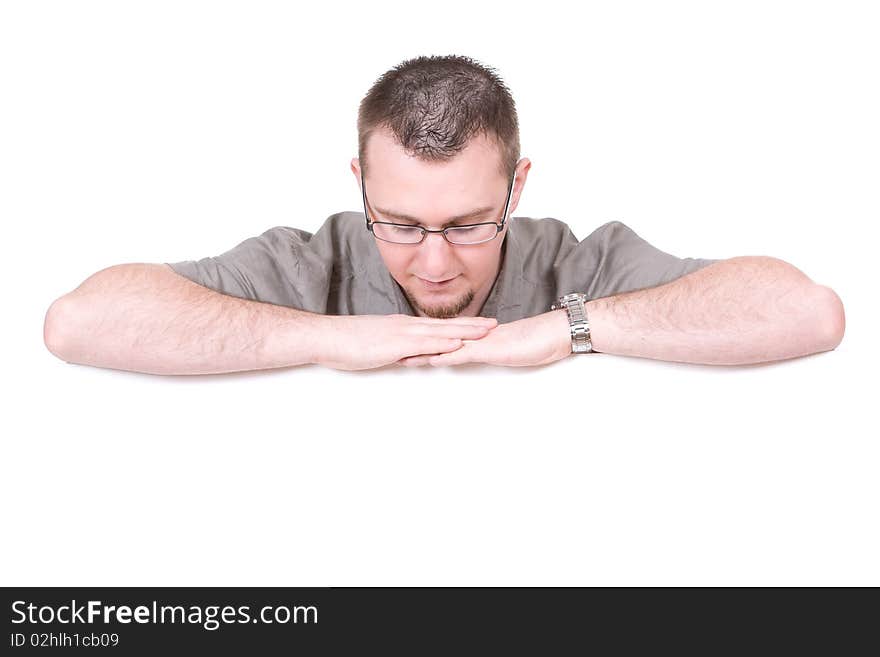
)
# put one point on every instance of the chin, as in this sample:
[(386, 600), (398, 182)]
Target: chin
[(445, 309)]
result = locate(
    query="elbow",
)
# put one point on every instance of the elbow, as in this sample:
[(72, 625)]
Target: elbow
[(832, 318), (56, 328)]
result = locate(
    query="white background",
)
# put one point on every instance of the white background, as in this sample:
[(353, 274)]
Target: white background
[(163, 131)]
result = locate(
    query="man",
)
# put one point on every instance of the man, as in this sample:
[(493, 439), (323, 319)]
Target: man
[(437, 270)]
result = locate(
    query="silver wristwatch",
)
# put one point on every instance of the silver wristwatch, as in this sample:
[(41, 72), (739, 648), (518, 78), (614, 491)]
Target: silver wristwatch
[(577, 319)]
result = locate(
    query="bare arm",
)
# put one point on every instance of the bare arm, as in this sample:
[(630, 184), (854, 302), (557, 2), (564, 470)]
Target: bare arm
[(747, 309), (145, 317)]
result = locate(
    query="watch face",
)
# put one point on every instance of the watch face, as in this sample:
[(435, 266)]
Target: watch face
[(564, 300)]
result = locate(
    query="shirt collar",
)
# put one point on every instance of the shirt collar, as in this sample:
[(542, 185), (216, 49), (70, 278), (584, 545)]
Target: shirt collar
[(505, 298)]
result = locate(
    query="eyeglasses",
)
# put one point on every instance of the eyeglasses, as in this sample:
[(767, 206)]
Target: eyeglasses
[(410, 234)]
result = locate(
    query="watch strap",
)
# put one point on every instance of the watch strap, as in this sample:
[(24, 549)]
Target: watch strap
[(578, 321)]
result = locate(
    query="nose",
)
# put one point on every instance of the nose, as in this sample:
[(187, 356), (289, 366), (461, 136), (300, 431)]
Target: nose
[(436, 255)]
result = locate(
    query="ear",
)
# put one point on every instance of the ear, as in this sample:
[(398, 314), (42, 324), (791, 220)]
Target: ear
[(522, 172), (356, 169)]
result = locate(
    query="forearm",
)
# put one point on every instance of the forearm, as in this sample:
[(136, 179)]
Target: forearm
[(742, 310), (147, 318)]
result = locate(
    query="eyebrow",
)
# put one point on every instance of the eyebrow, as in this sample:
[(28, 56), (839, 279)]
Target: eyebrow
[(405, 217)]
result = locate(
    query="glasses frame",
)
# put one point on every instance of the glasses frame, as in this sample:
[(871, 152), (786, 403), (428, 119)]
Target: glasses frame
[(498, 226)]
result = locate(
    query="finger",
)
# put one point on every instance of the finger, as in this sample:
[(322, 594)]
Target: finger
[(474, 321), (468, 353), (426, 349), (458, 357), (432, 346), (414, 361), (464, 331)]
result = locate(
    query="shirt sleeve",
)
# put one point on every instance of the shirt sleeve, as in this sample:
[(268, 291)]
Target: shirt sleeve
[(267, 268), (626, 262)]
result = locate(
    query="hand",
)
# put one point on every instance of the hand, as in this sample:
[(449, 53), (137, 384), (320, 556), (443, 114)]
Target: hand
[(537, 340), (360, 342)]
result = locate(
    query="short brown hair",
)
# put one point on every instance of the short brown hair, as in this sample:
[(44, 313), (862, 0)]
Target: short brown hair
[(434, 105)]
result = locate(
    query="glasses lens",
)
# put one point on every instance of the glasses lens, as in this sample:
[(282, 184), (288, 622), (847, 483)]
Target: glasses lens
[(399, 234), (413, 234), (471, 234)]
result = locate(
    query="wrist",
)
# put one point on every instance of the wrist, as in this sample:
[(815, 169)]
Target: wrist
[(303, 338), (322, 333), (564, 332), (574, 306), (593, 308)]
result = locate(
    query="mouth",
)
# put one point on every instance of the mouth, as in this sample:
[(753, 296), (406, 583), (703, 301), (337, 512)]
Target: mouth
[(436, 285)]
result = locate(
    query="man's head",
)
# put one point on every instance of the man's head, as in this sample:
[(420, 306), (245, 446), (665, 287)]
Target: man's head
[(439, 138)]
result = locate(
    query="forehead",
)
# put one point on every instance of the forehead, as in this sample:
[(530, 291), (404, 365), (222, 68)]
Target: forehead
[(398, 177)]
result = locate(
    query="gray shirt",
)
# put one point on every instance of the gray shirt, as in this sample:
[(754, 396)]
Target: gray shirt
[(338, 270)]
